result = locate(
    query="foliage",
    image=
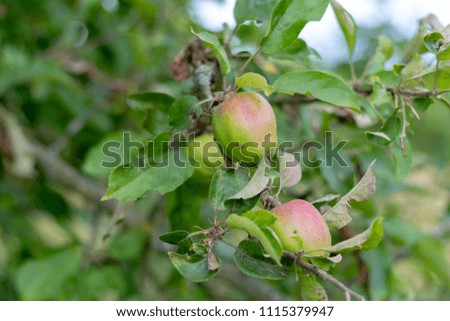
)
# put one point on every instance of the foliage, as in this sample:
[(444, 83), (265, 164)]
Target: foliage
[(83, 217)]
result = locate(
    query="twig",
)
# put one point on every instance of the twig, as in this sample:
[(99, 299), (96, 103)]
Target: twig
[(71, 130), (402, 91), (436, 76), (325, 276), (405, 124), (413, 110), (118, 216), (249, 60), (55, 168)]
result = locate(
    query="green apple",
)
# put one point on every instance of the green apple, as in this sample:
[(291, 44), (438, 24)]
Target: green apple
[(206, 154)]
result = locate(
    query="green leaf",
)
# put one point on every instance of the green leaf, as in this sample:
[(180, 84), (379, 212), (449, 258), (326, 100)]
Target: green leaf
[(365, 241), (99, 160), (402, 232), (443, 79), (180, 110), (242, 205), (18, 69), (183, 205), (249, 259), (321, 85), (100, 283), (44, 279), (434, 41), (388, 133), (288, 19), (432, 255), (127, 245), (382, 54), (192, 267), (151, 110), (159, 112), (255, 81), (338, 215), (290, 170), (174, 237), (257, 183), (311, 289), (213, 43), (426, 249), (258, 10), (444, 52), (379, 262), (378, 138), (326, 262), (380, 95), (225, 184), (262, 218), (149, 100), (128, 182), (347, 24), (402, 159), (268, 241)]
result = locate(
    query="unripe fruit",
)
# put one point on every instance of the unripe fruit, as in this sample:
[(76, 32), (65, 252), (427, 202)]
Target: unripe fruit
[(206, 154), (245, 126), (300, 227)]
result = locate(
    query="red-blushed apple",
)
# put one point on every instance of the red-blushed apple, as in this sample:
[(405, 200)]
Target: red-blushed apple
[(245, 126), (300, 227)]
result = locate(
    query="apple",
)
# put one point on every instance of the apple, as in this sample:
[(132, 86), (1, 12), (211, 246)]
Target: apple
[(300, 227), (245, 127), (206, 154)]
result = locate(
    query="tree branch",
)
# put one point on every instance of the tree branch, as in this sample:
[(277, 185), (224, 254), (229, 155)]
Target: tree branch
[(325, 276), (400, 91), (55, 168)]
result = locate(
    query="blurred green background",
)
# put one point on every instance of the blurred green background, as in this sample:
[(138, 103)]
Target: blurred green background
[(66, 68)]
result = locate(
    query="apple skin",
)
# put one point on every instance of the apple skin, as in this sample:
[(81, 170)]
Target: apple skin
[(241, 124), (300, 227), (206, 154)]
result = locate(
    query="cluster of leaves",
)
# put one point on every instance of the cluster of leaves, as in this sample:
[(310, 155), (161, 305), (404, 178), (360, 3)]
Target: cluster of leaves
[(61, 75)]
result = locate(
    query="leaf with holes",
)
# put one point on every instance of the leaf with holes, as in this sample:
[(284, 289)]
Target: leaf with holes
[(365, 241), (193, 267), (224, 185), (250, 259), (311, 289), (338, 215)]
